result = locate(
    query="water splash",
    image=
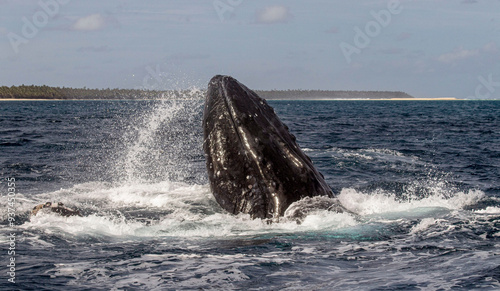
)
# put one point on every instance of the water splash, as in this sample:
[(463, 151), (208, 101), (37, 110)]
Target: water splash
[(380, 201), (163, 141)]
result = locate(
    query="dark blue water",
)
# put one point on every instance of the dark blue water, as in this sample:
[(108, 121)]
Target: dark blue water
[(423, 178)]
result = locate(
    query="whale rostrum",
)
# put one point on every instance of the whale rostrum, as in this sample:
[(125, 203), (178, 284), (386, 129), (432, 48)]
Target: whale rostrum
[(254, 164)]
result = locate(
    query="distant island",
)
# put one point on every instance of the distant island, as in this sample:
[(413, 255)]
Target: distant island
[(330, 94), (65, 93)]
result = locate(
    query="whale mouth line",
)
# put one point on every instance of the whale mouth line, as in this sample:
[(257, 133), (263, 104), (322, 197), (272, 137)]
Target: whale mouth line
[(230, 109), (230, 106)]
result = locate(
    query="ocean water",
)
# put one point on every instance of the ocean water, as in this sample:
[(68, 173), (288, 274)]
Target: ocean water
[(423, 179)]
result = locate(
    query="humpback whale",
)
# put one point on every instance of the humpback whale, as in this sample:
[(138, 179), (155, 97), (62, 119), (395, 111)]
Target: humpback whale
[(254, 163)]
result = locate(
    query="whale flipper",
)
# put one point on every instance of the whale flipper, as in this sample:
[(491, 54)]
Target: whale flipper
[(254, 164)]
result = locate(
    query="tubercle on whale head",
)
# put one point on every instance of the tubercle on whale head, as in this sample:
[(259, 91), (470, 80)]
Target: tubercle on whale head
[(243, 138)]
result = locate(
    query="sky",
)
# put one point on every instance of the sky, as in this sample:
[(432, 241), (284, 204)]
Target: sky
[(427, 48)]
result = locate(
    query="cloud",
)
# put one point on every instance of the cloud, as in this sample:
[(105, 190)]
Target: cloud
[(457, 55), (491, 48), (91, 22), (273, 14), (469, 1), (3, 31)]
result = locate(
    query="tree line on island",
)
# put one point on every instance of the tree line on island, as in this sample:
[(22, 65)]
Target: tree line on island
[(64, 93)]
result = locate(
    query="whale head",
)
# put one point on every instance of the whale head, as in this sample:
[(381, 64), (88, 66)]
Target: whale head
[(254, 164)]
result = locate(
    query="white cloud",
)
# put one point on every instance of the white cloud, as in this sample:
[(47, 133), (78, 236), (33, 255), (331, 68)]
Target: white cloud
[(3, 31), (491, 47), (91, 22), (273, 14), (457, 55)]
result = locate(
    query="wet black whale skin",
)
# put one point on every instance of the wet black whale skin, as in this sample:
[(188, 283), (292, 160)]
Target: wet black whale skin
[(254, 164)]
